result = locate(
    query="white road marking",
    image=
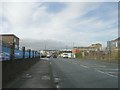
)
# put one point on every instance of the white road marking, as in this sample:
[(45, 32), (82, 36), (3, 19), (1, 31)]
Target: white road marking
[(84, 66), (116, 69), (107, 69), (111, 75), (105, 73), (112, 72), (99, 71)]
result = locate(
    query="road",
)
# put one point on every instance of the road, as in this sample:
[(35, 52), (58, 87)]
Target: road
[(68, 73), (73, 73)]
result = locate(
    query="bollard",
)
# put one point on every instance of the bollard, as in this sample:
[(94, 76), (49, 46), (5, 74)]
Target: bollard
[(12, 47), (23, 49)]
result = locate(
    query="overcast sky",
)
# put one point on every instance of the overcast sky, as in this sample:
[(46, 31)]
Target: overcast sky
[(60, 23)]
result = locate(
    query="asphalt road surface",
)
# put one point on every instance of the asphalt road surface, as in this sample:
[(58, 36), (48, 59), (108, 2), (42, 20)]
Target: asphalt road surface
[(73, 73)]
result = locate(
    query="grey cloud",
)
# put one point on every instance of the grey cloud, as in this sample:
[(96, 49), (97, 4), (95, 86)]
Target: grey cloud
[(42, 44)]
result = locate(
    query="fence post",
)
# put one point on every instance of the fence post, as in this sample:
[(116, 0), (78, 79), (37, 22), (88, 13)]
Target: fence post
[(12, 47), (35, 53), (29, 53), (23, 49), (32, 53)]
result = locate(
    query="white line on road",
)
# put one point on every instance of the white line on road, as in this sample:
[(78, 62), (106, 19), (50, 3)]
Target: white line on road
[(111, 75), (105, 73), (116, 69), (100, 71), (84, 66), (107, 69), (113, 72)]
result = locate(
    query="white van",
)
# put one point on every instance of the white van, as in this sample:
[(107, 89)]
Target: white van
[(65, 55)]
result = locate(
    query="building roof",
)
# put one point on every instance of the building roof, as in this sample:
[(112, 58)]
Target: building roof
[(118, 39), (9, 35)]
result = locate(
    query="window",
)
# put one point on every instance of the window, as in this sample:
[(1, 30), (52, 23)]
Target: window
[(15, 40)]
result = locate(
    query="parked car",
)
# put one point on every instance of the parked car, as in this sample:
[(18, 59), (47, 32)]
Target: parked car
[(48, 55), (43, 53), (54, 56)]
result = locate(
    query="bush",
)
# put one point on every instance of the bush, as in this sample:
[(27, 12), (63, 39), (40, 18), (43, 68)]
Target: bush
[(78, 55)]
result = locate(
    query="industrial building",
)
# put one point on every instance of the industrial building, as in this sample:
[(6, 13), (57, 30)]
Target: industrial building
[(10, 39)]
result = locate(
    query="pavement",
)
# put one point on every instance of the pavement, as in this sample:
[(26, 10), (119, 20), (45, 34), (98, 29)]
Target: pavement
[(73, 73), (38, 76)]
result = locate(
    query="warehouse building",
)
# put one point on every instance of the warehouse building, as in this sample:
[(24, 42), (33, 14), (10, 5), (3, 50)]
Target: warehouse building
[(10, 39)]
